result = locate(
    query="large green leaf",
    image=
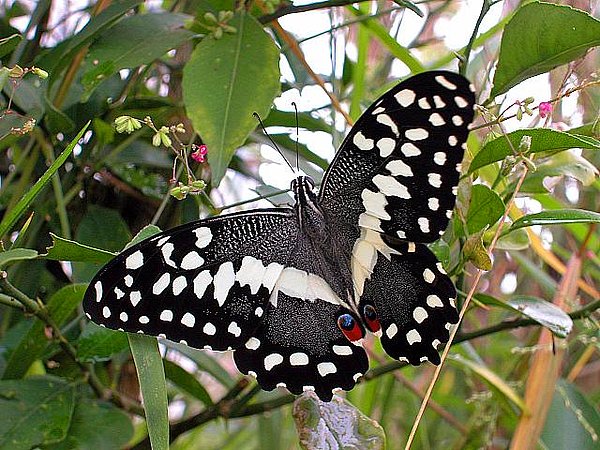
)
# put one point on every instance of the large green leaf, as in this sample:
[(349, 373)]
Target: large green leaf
[(96, 425), (542, 140), (485, 208), (540, 37), (224, 82), (34, 411), (151, 374), (556, 217), (186, 382), (15, 213), (572, 422), (31, 347)]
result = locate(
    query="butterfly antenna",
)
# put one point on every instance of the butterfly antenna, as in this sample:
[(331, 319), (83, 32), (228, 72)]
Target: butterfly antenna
[(262, 125), (297, 133)]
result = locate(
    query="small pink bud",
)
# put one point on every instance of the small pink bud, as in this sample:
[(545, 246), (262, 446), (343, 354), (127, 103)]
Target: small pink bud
[(199, 153), (544, 109)]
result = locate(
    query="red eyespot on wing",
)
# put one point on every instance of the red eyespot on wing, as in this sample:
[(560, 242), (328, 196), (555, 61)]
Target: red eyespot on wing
[(371, 318), (350, 327)]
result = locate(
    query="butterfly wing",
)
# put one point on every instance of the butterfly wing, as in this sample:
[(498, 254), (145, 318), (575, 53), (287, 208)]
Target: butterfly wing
[(391, 185), (244, 282), (205, 283)]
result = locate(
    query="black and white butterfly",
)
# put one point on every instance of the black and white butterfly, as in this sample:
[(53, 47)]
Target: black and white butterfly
[(293, 291)]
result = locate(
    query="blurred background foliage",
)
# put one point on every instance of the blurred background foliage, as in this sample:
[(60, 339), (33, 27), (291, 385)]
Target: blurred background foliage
[(179, 74)]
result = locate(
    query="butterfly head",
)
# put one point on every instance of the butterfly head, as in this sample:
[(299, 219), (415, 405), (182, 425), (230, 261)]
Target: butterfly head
[(303, 188)]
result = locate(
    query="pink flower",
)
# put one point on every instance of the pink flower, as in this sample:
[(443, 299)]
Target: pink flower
[(199, 153), (545, 109)]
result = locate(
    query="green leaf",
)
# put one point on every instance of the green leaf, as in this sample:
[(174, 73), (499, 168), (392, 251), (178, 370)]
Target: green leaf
[(540, 37), (134, 41), (32, 346), (15, 213), (16, 254), (186, 382), (97, 343), (559, 165), (224, 82), (492, 379), (542, 140), (151, 375), (277, 118), (556, 217), (147, 232), (321, 423), (34, 411), (513, 240), (103, 227), (204, 361), (545, 313), (62, 55), (66, 250), (485, 208), (572, 422), (475, 251), (96, 425), (8, 44)]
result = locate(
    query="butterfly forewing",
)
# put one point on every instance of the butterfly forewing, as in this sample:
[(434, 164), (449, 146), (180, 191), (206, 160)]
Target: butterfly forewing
[(205, 283), (396, 170)]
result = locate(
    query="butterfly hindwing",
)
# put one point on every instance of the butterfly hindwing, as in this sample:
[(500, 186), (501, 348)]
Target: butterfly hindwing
[(299, 347), (414, 300)]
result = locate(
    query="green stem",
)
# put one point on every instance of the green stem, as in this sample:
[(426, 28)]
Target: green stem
[(485, 7)]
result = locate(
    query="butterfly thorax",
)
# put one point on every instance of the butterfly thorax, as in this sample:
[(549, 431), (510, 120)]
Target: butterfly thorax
[(330, 260)]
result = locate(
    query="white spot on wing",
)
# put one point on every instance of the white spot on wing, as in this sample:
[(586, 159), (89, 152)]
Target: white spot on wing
[(441, 79), (416, 134), (457, 120), (209, 329), (420, 314), (119, 293), (161, 284), (144, 320), (362, 142), (234, 329), (128, 280), (272, 360), (423, 103), (298, 359), (166, 315), (439, 158), (391, 187), (191, 261), (428, 276), (433, 204), (375, 203), (423, 224), (391, 331), (98, 287), (398, 167), (387, 120), (201, 282), (405, 97), (106, 312), (439, 103), (179, 284), (203, 236), (342, 350), (134, 261), (436, 120), (413, 336), (251, 272), (434, 179), (223, 281), (409, 149), (124, 317), (433, 301), (386, 146), (325, 368), (452, 141), (461, 102), (135, 297), (188, 320), (252, 343)]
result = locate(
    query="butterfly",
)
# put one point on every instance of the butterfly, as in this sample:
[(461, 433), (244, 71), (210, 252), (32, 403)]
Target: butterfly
[(293, 291)]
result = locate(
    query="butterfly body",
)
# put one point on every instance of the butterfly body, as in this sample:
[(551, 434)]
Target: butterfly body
[(294, 290)]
